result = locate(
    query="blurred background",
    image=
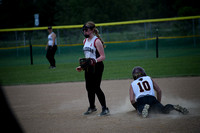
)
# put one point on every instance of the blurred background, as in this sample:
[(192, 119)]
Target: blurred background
[(20, 13), (136, 32)]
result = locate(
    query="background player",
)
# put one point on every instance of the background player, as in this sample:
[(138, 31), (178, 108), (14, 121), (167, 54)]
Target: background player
[(143, 98), (51, 48), (94, 48)]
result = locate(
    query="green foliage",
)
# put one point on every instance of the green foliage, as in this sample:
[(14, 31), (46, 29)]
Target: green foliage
[(71, 12)]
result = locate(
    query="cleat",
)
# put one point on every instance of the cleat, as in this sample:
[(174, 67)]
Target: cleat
[(181, 109), (145, 111), (90, 111), (104, 112), (52, 67)]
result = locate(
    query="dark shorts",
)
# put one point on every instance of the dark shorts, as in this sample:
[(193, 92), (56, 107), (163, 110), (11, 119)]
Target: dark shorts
[(155, 105)]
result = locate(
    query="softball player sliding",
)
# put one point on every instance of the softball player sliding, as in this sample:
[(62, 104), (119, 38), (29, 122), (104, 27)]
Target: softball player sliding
[(51, 48), (94, 49), (143, 98)]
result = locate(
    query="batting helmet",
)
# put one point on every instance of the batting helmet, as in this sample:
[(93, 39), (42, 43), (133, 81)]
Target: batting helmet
[(138, 72)]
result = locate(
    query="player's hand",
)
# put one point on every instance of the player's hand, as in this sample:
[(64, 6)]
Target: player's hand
[(78, 68), (93, 61)]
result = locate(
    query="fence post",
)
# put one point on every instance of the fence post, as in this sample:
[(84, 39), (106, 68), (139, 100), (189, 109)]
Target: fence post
[(24, 38), (16, 43), (145, 32), (31, 53), (193, 29), (156, 43), (58, 41), (107, 35)]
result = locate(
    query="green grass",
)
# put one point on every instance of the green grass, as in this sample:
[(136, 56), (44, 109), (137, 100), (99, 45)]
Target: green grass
[(34, 74), (161, 67), (177, 57)]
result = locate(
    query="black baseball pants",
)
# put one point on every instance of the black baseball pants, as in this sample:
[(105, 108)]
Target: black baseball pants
[(93, 77), (50, 55), (155, 105)]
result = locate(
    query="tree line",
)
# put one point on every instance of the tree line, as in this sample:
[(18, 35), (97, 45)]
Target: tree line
[(20, 13)]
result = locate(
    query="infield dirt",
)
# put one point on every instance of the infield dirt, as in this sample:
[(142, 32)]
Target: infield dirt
[(59, 108)]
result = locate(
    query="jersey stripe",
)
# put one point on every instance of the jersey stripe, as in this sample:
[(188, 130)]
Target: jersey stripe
[(95, 42), (84, 41)]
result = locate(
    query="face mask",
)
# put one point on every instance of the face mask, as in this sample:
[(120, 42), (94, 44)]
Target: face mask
[(85, 28), (86, 36)]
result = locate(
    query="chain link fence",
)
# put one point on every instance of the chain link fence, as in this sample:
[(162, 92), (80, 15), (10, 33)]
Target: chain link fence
[(120, 39)]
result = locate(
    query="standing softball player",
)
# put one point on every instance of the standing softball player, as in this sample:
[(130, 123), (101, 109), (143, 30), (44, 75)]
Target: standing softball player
[(51, 48), (94, 56), (143, 98)]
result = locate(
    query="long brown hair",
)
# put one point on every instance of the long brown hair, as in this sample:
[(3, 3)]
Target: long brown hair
[(95, 30)]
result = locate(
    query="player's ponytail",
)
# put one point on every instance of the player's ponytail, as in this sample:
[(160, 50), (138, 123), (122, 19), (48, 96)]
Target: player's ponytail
[(96, 31)]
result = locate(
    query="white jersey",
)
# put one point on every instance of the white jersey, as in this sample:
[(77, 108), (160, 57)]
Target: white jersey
[(90, 48), (143, 86), (50, 40)]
